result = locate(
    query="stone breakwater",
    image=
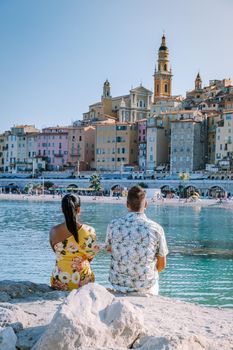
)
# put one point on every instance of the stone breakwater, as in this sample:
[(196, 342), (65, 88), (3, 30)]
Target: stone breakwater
[(32, 316)]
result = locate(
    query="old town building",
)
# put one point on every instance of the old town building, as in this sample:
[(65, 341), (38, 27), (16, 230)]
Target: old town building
[(52, 146), (188, 138), (116, 145), (18, 154), (223, 141), (127, 108), (81, 147)]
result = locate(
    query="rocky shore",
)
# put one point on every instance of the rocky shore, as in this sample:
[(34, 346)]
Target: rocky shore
[(33, 316)]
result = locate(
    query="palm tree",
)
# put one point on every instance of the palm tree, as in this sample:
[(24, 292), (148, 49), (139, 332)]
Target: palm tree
[(95, 183), (183, 177)]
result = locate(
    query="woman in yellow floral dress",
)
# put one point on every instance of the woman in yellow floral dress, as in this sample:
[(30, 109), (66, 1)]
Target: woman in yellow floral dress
[(75, 246)]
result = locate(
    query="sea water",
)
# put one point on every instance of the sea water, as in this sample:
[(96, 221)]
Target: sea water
[(200, 240)]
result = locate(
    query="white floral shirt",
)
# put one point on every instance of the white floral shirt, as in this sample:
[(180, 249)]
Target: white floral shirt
[(135, 242)]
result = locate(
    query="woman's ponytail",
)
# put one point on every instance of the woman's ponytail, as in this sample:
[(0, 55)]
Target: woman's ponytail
[(70, 204)]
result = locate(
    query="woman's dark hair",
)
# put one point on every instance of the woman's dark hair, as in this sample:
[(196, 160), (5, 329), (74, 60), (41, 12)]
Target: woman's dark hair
[(69, 205)]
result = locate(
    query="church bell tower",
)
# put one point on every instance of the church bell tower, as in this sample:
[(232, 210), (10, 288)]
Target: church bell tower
[(106, 99), (163, 73), (198, 82)]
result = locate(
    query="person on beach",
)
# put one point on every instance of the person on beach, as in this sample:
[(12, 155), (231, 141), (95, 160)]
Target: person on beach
[(138, 248), (75, 246)]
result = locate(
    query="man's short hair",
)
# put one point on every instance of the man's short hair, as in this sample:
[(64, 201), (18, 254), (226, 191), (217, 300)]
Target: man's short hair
[(135, 198)]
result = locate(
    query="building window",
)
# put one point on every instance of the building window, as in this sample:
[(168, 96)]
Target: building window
[(121, 127), (165, 88)]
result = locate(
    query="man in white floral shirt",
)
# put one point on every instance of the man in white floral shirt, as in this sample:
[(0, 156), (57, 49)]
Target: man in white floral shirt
[(138, 248)]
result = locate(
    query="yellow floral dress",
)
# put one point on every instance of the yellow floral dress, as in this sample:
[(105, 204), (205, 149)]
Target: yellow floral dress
[(73, 268)]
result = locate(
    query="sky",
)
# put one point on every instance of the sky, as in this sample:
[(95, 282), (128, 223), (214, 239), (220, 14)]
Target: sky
[(56, 54)]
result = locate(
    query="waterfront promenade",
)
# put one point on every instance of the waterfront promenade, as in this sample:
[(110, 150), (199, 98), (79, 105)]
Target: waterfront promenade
[(215, 203), (203, 186)]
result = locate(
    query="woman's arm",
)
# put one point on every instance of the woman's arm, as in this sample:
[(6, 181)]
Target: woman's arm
[(51, 236)]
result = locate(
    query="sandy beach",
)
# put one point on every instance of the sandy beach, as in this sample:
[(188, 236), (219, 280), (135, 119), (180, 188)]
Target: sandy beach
[(228, 204)]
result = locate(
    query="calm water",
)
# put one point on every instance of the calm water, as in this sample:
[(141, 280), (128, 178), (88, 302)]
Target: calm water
[(200, 263)]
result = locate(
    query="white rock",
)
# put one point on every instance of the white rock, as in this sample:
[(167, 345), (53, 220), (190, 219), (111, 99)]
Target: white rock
[(177, 342), (22, 289), (4, 297), (10, 313), (7, 339), (92, 318), (28, 337)]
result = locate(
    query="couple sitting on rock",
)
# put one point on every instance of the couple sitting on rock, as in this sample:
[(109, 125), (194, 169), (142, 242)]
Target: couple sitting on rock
[(137, 245)]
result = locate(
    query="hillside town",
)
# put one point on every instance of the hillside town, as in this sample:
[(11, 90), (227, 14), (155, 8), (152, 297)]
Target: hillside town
[(145, 131)]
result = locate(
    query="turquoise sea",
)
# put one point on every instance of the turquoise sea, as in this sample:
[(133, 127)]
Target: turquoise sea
[(200, 240)]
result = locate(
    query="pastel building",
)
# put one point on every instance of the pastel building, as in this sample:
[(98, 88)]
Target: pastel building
[(213, 118), (116, 146), (188, 145), (228, 99), (52, 146), (17, 154), (157, 143), (224, 140), (81, 147), (159, 136)]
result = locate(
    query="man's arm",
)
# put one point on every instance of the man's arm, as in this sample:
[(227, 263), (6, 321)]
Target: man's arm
[(108, 240), (162, 252), (161, 263)]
